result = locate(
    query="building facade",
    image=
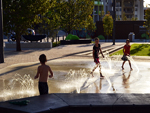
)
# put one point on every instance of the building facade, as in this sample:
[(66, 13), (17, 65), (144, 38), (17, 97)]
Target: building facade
[(130, 9), (98, 10)]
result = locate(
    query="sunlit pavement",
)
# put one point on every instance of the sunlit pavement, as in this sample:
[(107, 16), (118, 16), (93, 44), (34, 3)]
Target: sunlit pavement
[(73, 75)]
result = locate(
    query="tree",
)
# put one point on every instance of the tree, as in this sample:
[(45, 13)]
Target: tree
[(1, 35), (134, 19), (50, 23), (108, 25), (74, 14), (101, 14), (147, 23), (22, 14), (91, 26), (118, 18), (124, 18)]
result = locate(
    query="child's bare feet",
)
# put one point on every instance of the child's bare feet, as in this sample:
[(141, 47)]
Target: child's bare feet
[(101, 76)]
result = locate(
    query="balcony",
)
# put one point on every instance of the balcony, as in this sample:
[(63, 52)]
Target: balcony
[(128, 5), (98, 3), (128, 12)]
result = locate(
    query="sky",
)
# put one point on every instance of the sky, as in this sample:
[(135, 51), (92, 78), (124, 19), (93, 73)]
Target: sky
[(146, 2)]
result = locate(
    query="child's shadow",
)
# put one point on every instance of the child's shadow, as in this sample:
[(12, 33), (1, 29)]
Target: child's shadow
[(125, 80)]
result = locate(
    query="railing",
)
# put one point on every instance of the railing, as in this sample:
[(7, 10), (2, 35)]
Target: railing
[(128, 11), (128, 5)]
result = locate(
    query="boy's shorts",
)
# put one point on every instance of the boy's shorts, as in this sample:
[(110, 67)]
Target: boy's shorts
[(125, 58), (97, 60), (43, 88)]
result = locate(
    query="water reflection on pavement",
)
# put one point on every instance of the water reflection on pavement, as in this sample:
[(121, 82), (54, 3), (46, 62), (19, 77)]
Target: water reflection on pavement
[(73, 76)]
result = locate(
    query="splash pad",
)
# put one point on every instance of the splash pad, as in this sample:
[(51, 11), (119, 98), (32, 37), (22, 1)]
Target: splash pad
[(73, 76)]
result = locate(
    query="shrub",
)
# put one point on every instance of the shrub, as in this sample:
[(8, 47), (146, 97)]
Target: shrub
[(54, 44), (68, 37), (145, 36), (101, 37), (72, 37)]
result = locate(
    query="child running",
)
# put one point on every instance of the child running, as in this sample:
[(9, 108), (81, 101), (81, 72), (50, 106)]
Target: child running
[(126, 51), (42, 74), (96, 49)]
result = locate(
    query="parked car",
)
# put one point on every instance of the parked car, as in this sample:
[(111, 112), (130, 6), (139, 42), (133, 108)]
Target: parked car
[(29, 31)]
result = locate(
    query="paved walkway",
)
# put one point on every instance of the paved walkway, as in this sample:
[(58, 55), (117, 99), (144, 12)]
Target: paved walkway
[(60, 52)]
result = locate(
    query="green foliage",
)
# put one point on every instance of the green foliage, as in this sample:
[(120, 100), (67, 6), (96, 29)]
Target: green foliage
[(50, 23), (56, 44), (72, 37), (118, 18), (74, 14), (68, 37), (145, 36), (137, 49), (101, 14), (108, 24), (147, 23), (134, 19), (22, 14), (101, 37), (124, 18), (88, 36), (90, 24)]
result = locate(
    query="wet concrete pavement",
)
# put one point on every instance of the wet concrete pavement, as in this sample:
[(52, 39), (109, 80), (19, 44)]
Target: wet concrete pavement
[(73, 76)]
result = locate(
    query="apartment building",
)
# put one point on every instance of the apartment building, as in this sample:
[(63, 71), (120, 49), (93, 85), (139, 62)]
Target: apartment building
[(97, 11), (130, 8)]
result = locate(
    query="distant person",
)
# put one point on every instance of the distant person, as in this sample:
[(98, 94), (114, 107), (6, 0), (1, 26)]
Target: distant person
[(96, 50), (42, 74), (126, 51)]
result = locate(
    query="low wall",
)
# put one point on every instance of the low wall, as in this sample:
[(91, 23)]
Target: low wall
[(29, 45), (81, 103)]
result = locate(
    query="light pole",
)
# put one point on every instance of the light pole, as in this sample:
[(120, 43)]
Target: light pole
[(1, 34), (114, 20)]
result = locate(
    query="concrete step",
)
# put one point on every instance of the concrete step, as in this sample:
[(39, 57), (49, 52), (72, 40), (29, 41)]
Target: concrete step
[(81, 103)]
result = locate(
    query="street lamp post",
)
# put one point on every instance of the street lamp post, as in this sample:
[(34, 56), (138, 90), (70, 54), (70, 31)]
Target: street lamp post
[(114, 20), (1, 34)]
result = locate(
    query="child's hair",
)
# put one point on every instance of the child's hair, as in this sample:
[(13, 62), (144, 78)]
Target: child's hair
[(42, 58), (128, 40), (96, 38)]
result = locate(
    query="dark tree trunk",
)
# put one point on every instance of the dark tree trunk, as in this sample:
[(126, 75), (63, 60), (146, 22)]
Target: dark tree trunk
[(18, 46), (1, 35)]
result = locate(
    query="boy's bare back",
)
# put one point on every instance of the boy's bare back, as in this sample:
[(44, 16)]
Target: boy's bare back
[(42, 73)]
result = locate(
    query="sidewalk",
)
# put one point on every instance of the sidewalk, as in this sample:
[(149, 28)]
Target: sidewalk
[(60, 52)]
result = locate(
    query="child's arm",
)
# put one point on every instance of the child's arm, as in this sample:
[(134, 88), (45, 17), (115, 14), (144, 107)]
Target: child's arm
[(101, 52), (38, 73), (51, 72), (123, 51)]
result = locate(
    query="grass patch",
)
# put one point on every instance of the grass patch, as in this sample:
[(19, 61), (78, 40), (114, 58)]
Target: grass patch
[(137, 49)]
